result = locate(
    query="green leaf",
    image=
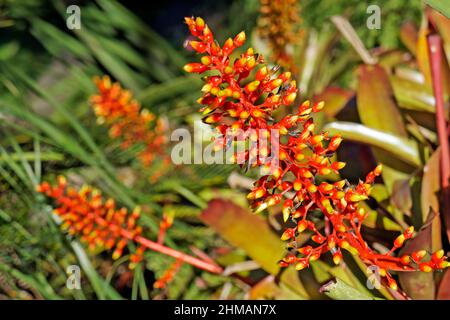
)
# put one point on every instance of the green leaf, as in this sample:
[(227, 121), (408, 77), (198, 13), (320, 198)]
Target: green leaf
[(339, 290), (412, 95), (404, 149), (335, 99), (376, 105), (43, 288), (101, 287), (168, 90), (440, 5), (429, 199), (254, 236)]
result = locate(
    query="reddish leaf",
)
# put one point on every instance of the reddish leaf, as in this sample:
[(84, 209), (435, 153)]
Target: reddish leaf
[(251, 233), (335, 99), (444, 288), (408, 35), (419, 285), (376, 105)]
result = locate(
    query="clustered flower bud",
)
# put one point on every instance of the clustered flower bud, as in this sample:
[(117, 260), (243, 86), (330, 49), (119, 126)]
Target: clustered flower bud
[(168, 275), (99, 223), (233, 100), (102, 225), (134, 125), (279, 24)]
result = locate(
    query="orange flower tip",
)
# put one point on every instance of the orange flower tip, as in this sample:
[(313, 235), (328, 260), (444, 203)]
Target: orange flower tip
[(443, 264), (301, 265), (318, 238), (406, 260), (398, 242), (340, 184), (251, 62), (132, 265), (304, 105), (252, 86), (275, 84), (239, 39), (244, 115), (206, 88), (290, 98), (409, 232), (236, 94), (418, 255), (338, 165), (200, 23), (382, 272), (263, 206), (188, 68), (195, 67), (378, 169), (393, 285), (297, 185), (318, 106), (315, 256), (357, 197), (198, 46), (285, 76), (301, 226), (116, 254), (288, 234), (337, 258), (286, 214), (425, 267), (212, 118), (206, 60), (438, 254), (62, 180), (283, 264)]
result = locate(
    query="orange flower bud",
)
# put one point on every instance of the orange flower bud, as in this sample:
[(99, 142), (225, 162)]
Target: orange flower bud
[(239, 39), (195, 67)]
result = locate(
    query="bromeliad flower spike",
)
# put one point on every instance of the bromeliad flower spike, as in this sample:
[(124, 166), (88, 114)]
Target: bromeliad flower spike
[(101, 224), (116, 107), (233, 100)]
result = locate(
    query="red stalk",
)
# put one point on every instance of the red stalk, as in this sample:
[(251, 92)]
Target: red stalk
[(435, 54), (201, 264)]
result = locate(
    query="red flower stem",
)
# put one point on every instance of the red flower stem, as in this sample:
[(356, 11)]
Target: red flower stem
[(435, 54), (201, 264)]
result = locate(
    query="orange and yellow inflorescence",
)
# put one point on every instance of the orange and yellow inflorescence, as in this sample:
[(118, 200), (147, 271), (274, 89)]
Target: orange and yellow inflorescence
[(233, 100), (99, 223), (115, 107), (279, 25), (168, 275), (102, 225)]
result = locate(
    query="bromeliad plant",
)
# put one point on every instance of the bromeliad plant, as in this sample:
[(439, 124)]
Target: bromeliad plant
[(103, 225), (278, 24), (233, 100), (116, 108)]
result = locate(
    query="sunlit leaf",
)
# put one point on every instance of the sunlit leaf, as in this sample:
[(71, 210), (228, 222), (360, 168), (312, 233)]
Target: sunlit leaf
[(253, 235), (339, 290), (404, 149)]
